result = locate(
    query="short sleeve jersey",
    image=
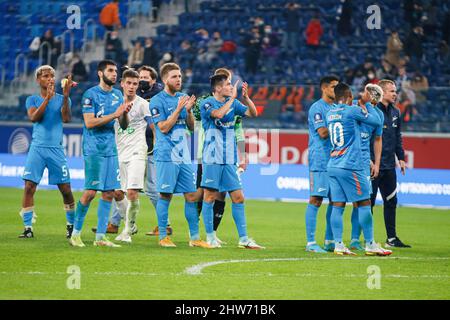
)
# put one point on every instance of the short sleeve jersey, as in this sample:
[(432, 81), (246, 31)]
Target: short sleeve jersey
[(100, 140), (343, 124), (49, 131), (220, 136), (171, 146), (319, 149)]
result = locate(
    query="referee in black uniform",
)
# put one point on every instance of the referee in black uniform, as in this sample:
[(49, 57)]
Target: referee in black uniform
[(386, 180)]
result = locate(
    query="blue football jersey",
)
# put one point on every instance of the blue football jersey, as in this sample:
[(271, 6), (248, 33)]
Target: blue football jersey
[(220, 138), (100, 141), (343, 124), (172, 146), (49, 131), (319, 149)]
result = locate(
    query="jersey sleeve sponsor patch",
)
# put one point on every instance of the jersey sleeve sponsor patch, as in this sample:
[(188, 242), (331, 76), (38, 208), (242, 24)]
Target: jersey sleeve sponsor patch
[(155, 112), (318, 117), (87, 103)]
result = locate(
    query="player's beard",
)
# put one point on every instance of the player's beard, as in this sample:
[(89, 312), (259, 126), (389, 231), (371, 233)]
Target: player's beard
[(108, 81), (173, 88)]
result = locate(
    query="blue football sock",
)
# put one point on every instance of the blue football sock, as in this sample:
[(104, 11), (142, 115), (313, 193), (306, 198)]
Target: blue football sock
[(27, 219), (102, 215), (336, 223), (329, 230), (190, 212), (356, 227), (70, 217), (238, 211), (366, 222), (80, 215), (311, 221), (208, 217), (162, 211)]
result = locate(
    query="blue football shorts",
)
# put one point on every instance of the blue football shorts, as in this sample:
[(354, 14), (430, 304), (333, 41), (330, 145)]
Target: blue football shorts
[(53, 159)]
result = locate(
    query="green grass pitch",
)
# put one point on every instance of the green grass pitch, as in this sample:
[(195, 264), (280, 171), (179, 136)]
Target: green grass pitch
[(37, 268)]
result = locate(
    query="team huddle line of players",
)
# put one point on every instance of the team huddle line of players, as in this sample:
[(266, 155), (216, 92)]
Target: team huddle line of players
[(120, 130), (116, 153)]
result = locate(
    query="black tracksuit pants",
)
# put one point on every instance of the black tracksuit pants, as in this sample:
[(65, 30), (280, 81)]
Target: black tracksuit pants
[(387, 183)]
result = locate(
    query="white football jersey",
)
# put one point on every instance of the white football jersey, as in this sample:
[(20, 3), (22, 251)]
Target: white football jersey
[(131, 143)]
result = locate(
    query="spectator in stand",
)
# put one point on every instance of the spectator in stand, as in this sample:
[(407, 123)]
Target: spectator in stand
[(187, 54), (444, 54), (394, 49), (345, 20), (314, 31), (270, 49), (136, 56), (151, 54), (349, 75), (359, 80), (387, 70), (292, 16), (188, 80), (202, 39), (78, 71), (419, 84), (109, 16), (214, 47), (402, 79), (252, 45), (114, 48), (430, 18), (54, 45), (166, 58), (258, 22), (414, 47)]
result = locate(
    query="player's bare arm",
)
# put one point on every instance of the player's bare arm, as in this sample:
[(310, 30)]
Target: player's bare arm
[(190, 121), (36, 114), (166, 125), (124, 120), (323, 133), (92, 122), (65, 110), (377, 147), (222, 111), (251, 112)]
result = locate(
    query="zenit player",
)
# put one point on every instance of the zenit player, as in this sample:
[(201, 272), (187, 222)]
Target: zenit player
[(47, 110), (102, 104), (220, 155), (348, 182), (172, 115)]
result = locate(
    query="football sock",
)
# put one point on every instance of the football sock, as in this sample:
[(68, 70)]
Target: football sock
[(366, 221), (310, 222), (123, 206), (27, 216), (329, 230), (190, 212), (162, 211), (238, 211), (70, 213), (219, 208), (208, 218), (80, 215), (133, 210), (356, 227), (102, 218), (336, 223)]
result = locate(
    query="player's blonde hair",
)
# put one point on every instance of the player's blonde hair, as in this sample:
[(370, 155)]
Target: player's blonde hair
[(223, 71), (43, 68), (375, 92), (166, 68), (383, 83)]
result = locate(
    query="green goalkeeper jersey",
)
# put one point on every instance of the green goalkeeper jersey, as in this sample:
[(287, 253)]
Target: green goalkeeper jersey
[(238, 129)]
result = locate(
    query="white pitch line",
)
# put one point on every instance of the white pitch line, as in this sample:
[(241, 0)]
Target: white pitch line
[(198, 268)]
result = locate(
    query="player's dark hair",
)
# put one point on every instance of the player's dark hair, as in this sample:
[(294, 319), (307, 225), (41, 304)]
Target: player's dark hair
[(342, 91), (130, 73), (217, 80), (153, 73), (328, 79), (105, 63)]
